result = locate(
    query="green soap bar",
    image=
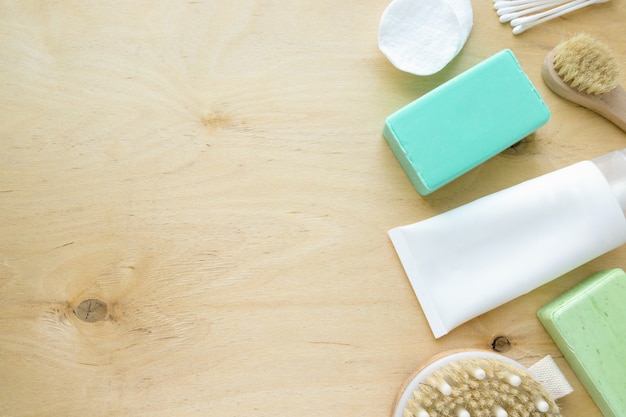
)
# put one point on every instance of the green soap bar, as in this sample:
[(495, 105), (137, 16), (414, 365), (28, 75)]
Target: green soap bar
[(465, 121), (588, 324)]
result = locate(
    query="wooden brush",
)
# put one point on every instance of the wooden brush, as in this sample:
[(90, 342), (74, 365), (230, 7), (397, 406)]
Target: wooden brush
[(584, 71), (473, 383)]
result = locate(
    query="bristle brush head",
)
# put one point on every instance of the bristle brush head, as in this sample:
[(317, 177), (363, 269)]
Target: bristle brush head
[(586, 65), (474, 384)]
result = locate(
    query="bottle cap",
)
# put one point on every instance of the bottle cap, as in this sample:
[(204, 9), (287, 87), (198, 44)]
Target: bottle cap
[(613, 167)]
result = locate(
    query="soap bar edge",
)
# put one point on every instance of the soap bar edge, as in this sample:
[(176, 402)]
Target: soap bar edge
[(404, 161), (546, 315)]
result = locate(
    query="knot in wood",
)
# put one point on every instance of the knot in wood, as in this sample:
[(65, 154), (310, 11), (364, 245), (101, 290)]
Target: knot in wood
[(501, 344), (91, 310)]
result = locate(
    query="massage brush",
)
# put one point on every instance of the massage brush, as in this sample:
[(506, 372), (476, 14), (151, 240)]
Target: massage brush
[(473, 384), (584, 71)]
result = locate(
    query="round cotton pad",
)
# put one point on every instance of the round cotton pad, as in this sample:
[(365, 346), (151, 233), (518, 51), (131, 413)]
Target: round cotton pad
[(422, 36)]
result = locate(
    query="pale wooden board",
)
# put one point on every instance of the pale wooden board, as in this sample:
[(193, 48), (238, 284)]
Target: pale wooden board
[(215, 173)]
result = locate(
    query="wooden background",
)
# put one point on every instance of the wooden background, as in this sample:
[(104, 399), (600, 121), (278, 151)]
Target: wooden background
[(214, 172)]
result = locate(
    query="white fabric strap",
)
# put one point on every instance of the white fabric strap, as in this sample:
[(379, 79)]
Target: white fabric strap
[(550, 376)]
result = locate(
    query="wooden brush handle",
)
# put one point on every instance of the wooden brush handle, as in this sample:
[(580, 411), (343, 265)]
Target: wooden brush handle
[(611, 105)]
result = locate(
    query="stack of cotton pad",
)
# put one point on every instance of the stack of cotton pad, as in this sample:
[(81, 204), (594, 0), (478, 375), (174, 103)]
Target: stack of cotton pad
[(422, 36)]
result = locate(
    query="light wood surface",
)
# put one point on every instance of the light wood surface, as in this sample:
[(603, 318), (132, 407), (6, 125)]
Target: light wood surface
[(214, 173)]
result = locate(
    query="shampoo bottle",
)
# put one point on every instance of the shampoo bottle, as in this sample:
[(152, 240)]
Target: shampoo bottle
[(471, 259)]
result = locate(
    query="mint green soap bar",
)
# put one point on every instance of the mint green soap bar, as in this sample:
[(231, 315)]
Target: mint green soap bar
[(465, 121), (588, 324)]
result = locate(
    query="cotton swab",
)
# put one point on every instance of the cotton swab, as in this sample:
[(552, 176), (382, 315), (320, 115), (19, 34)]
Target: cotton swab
[(522, 24), (508, 14), (524, 14)]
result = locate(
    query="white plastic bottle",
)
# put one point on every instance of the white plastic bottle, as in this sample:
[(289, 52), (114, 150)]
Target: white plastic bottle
[(476, 257)]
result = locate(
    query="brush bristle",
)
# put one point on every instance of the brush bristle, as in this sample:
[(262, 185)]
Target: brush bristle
[(586, 64), (481, 394)]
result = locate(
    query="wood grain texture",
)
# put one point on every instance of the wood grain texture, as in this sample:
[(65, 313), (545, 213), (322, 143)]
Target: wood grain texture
[(214, 172)]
